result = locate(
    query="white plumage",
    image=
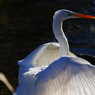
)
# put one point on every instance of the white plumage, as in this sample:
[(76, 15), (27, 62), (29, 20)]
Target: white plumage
[(43, 55), (52, 69), (66, 76)]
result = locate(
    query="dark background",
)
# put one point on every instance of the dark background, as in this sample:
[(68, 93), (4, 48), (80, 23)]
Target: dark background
[(26, 24)]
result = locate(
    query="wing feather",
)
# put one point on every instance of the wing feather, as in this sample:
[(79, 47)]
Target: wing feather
[(43, 55), (48, 55), (66, 76)]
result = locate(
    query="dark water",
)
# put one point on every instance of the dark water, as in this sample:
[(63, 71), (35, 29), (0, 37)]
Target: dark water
[(26, 25)]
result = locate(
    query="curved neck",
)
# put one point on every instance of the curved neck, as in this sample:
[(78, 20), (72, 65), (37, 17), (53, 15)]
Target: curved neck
[(60, 36)]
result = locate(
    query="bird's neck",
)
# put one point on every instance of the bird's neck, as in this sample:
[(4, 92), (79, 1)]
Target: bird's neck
[(60, 36)]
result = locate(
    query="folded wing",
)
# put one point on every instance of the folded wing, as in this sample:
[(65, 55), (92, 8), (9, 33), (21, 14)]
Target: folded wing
[(66, 76), (42, 56)]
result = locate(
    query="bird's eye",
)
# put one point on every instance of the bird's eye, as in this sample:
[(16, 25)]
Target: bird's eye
[(70, 14)]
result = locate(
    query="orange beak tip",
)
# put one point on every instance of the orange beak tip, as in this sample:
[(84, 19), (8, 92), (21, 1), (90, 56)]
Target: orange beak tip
[(84, 16)]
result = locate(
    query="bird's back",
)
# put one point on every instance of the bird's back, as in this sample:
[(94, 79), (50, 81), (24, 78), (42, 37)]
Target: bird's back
[(67, 76)]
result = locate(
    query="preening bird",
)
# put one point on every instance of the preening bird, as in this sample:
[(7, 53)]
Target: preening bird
[(51, 70)]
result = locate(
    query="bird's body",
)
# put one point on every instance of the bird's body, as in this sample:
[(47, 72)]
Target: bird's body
[(50, 70), (65, 76)]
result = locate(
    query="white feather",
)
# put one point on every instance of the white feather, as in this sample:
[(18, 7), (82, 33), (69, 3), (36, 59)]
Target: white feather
[(43, 55), (65, 76)]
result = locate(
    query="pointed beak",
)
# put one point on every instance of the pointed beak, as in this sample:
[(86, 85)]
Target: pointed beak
[(84, 16)]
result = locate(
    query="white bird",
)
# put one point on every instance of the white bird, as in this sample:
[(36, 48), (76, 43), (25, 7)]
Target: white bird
[(45, 72)]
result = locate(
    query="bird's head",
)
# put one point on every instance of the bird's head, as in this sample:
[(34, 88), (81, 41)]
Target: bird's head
[(66, 14)]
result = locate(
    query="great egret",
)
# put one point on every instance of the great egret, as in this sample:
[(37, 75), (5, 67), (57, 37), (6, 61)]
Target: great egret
[(65, 76)]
